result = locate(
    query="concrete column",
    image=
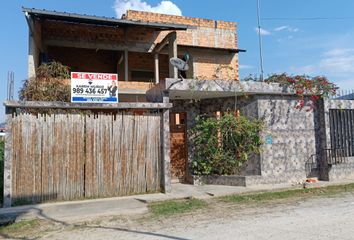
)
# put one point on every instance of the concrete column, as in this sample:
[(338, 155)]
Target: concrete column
[(157, 69), (33, 55), (166, 147), (126, 69), (172, 52), (8, 160)]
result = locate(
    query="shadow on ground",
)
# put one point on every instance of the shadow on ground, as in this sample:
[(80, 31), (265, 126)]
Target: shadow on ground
[(43, 216)]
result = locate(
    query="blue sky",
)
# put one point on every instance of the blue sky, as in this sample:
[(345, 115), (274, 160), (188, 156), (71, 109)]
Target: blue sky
[(313, 47)]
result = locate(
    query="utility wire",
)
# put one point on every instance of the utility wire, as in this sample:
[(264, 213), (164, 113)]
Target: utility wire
[(306, 18)]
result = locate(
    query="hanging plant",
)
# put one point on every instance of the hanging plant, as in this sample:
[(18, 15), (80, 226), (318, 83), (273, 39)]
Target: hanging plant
[(315, 87)]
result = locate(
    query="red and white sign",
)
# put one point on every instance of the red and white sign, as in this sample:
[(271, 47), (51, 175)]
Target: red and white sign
[(94, 87)]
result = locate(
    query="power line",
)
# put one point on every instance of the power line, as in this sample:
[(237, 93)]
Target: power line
[(306, 18)]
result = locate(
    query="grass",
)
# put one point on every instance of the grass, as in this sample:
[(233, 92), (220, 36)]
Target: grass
[(297, 193), (19, 226), (172, 207)]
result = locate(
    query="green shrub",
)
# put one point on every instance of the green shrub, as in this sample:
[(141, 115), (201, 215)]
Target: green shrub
[(221, 147)]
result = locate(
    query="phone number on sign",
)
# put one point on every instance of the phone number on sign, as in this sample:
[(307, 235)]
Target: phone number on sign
[(89, 90)]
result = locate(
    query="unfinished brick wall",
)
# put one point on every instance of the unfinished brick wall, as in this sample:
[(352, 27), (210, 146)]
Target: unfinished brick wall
[(207, 63), (145, 62), (207, 33), (210, 62)]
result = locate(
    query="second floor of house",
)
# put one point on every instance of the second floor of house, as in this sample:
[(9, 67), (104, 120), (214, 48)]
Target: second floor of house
[(137, 46)]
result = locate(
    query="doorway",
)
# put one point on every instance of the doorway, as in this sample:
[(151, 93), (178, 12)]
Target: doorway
[(179, 149)]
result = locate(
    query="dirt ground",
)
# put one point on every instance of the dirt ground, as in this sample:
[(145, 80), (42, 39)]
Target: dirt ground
[(315, 218)]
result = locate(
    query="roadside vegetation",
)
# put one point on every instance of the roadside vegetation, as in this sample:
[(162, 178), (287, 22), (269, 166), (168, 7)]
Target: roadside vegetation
[(178, 209), (175, 207), (289, 194), (172, 207)]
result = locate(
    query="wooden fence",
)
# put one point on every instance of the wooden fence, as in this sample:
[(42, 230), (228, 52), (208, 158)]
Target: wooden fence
[(73, 156)]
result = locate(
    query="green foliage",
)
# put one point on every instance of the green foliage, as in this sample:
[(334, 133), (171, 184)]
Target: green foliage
[(17, 227), (316, 88), (172, 207), (295, 193), (222, 146), (48, 85)]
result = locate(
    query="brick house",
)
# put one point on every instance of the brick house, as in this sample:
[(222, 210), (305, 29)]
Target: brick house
[(138, 47)]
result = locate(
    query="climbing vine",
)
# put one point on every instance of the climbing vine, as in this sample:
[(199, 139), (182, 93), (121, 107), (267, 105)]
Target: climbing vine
[(315, 87), (222, 146)]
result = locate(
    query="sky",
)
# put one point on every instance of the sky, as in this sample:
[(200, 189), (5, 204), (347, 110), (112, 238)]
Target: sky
[(313, 37)]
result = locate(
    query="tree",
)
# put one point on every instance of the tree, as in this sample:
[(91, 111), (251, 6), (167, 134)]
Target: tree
[(50, 84)]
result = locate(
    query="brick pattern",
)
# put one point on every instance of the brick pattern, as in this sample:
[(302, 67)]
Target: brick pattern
[(165, 18), (145, 62), (207, 63)]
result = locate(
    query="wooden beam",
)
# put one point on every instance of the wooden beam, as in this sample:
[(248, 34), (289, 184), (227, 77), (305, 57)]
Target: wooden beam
[(114, 46), (67, 105), (158, 47), (126, 65)]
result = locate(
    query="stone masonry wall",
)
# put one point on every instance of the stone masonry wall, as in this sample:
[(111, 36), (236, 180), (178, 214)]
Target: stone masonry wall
[(289, 139), (193, 108), (291, 136)]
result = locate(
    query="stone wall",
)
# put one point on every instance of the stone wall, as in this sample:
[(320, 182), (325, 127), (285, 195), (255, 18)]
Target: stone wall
[(289, 138), (209, 107)]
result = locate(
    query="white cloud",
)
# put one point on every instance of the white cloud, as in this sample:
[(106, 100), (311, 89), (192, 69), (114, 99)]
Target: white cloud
[(338, 60), (165, 7), (286, 28), (263, 31), (245, 66), (307, 69), (281, 28), (337, 64)]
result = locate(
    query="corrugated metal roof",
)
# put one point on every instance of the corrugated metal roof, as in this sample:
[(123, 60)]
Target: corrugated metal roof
[(106, 21)]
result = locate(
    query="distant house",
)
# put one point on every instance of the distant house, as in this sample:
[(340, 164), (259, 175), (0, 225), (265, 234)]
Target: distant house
[(347, 97)]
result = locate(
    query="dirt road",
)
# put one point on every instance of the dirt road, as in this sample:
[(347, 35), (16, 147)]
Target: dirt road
[(318, 218)]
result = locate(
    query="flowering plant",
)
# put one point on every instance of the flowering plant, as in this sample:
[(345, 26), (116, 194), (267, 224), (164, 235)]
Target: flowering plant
[(315, 87)]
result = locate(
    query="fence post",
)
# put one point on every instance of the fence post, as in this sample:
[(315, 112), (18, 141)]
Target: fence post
[(165, 144), (8, 159)]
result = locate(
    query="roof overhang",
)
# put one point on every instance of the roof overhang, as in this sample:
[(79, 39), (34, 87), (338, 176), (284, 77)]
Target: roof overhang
[(192, 88), (95, 20)]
